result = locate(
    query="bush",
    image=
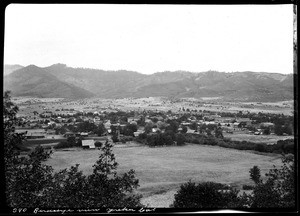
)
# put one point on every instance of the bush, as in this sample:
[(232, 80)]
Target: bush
[(224, 144), (205, 195), (63, 144), (22, 148), (195, 141), (98, 144), (248, 187), (142, 136), (260, 147), (278, 190), (71, 142), (115, 138), (210, 141), (126, 138), (180, 139)]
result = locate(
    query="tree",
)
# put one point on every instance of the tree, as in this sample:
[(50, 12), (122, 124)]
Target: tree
[(108, 189), (31, 183), (266, 131), (180, 139), (261, 147), (132, 126), (115, 137), (26, 177), (255, 174), (173, 126), (288, 129), (100, 130), (193, 126), (278, 191), (148, 127), (166, 139), (206, 195), (161, 125), (278, 130), (184, 129), (86, 127), (113, 129), (219, 133), (71, 141), (208, 132)]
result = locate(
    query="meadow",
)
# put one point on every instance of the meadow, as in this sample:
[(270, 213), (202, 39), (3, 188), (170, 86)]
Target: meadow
[(244, 136), (28, 105), (162, 170)]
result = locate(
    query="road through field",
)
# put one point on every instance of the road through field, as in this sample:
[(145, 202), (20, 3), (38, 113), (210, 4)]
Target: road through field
[(162, 170)]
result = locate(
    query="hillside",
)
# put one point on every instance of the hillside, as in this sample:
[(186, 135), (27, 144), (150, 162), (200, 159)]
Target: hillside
[(36, 82), (8, 69), (61, 81)]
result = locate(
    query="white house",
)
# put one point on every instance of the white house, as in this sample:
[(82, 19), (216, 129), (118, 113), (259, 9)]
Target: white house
[(88, 143)]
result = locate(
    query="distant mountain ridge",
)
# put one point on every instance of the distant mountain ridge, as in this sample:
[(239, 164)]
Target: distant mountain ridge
[(61, 81), (37, 82), (8, 69)]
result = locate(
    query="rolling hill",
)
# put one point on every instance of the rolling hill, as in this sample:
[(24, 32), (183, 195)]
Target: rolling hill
[(8, 69), (61, 81), (36, 82)]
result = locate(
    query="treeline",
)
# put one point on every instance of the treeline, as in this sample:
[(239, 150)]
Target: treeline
[(84, 126), (169, 138), (282, 146)]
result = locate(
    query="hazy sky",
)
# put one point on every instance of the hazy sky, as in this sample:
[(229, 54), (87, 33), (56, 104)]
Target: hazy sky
[(151, 38)]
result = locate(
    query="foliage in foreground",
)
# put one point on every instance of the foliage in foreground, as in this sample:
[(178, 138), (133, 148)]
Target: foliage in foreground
[(206, 195), (277, 191), (31, 183)]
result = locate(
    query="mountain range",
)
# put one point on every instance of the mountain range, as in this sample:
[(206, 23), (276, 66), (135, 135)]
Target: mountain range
[(62, 81)]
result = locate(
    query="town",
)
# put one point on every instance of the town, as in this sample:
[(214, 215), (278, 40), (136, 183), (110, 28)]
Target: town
[(121, 123)]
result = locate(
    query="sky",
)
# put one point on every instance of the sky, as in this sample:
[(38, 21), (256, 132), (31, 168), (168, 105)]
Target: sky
[(151, 38)]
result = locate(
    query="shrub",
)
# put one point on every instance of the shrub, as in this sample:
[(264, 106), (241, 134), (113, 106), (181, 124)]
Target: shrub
[(260, 148), (126, 138), (195, 141), (63, 144), (209, 141), (224, 144), (71, 142), (98, 144), (278, 191), (289, 148), (142, 136), (180, 139), (248, 187), (205, 195), (115, 138), (225, 139)]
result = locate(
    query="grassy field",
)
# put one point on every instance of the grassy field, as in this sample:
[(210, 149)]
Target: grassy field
[(162, 170), (150, 103), (268, 139)]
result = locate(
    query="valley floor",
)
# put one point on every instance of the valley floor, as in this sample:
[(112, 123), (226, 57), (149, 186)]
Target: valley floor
[(162, 170)]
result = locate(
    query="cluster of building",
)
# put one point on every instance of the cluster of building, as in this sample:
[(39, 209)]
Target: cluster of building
[(50, 120)]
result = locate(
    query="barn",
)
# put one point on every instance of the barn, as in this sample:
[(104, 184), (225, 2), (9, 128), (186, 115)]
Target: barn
[(88, 144)]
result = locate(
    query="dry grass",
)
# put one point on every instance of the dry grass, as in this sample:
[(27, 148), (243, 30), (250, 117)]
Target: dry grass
[(162, 170), (268, 139)]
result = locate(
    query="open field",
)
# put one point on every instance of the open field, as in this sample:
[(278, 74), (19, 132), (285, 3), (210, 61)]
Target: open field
[(268, 139), (162, 170), (28, 105)]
